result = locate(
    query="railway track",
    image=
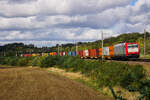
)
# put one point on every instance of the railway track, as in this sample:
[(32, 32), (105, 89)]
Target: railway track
[(139, 60), (133, 59)]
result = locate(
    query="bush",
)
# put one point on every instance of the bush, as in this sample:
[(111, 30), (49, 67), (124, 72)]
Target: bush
[(132, 77), (68, 62), (49, 61), (14, 61), (6, 60), (36, 61), (23, 62), (77, 65), (112, 74)]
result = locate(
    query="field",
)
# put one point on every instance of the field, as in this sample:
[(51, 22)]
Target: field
[(26, 83)]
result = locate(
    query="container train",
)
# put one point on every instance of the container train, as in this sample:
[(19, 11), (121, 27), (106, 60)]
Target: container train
[(118, 51)]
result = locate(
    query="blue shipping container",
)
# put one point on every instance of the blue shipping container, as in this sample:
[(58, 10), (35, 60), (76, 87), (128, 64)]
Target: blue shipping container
[(74, 53)]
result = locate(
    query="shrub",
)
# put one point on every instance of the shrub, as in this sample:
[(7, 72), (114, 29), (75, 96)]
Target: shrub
[(49, 61), (13, 61), (22, 62), (1, 60), (5, 60), (37, 61), (132, 77), (68, 62), (77, 65), (112, 74)]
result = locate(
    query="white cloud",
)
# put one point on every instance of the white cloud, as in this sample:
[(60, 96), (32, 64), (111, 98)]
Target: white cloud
[(69, 20), (18, 23), (53, 7), (16, 35)]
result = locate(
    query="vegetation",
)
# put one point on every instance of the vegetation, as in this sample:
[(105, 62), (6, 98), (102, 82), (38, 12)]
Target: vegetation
[(108, 74)]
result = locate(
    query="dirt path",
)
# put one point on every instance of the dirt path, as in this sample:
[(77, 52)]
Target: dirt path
[(38, 84)]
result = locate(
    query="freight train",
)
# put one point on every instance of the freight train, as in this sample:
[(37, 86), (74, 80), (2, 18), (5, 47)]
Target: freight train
[(118, 51)]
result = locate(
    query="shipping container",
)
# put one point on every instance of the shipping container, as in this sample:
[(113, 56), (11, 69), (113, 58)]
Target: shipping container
[(45, 54), (94, 53), (38, 54), (69, 53), (33, 55), (66, 53), (111, 51), (21, 55), (27, 55), (81, 53), (100, 52), (97, 52), (51, 53), (61, 53), (85, 53), (54, 53), (106, 51), (73, 53)]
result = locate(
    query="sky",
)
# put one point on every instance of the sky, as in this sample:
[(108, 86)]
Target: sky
[(51, 22), (133, 2)]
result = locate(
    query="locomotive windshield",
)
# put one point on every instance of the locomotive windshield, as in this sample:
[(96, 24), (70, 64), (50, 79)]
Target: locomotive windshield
[(132, 46)]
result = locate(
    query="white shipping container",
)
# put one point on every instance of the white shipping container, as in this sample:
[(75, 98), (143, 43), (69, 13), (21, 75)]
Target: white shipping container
[(64, 53), (106, 51), (86, 53)]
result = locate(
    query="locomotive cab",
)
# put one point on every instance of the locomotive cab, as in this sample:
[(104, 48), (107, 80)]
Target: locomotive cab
[(133, 50)]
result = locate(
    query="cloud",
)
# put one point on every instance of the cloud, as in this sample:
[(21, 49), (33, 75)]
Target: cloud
[(24, 8), (70, 20)]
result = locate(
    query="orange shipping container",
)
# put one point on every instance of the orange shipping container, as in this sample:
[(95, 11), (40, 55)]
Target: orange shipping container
[(27, 55), (94, 53), (50, 53), (100, 52), (111, 51)]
